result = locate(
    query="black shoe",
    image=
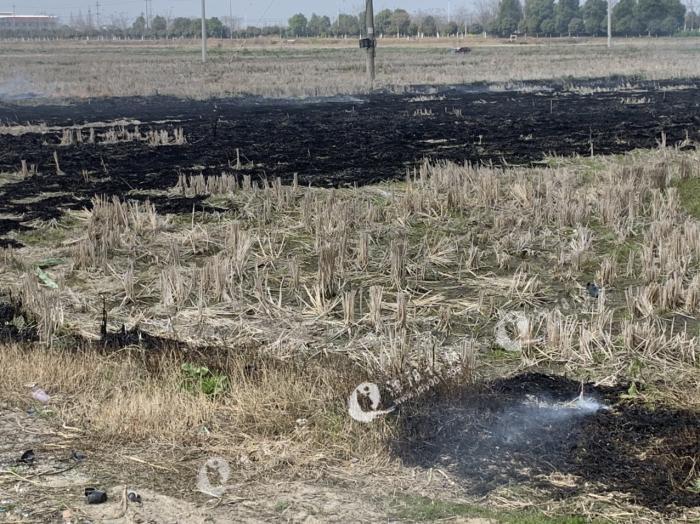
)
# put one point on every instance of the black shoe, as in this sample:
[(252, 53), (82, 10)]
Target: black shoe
[(592, 289), (78, 456), (95, 496), (27, 457)]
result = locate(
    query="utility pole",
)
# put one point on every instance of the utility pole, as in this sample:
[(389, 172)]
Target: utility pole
[(204, 33), (97, 14), (230, 17), (369, 43), (690, 16), (609, 24)]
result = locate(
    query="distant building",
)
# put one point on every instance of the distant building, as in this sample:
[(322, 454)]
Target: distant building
[(11, 22)]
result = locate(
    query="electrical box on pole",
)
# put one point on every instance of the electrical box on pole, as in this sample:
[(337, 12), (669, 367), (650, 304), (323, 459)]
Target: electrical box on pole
[(369, 43)]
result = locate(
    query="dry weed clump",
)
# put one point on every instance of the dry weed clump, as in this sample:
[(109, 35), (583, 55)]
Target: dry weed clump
[(115, 225), (201, 185), (45, 306), (76, 135)]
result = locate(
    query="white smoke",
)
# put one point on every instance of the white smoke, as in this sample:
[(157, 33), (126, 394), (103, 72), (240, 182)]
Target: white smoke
[(18, 88), (521, 421)]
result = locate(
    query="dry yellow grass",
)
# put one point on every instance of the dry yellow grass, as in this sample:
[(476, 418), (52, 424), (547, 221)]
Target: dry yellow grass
[(130, 397), (314, 68)]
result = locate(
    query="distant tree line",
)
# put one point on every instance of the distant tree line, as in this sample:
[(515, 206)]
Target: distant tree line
[(567, 17), (495, 17), (120, 27), (506, 17)]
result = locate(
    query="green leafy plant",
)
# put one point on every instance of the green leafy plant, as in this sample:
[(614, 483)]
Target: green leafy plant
[(632, 391), (201, 379), (695, 486)]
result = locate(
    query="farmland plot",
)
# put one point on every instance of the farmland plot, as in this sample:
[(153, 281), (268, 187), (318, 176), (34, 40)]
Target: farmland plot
[(514, 270)]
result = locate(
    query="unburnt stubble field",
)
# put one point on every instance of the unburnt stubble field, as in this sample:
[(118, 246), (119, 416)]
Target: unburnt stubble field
[(315, 290), (274, 68)]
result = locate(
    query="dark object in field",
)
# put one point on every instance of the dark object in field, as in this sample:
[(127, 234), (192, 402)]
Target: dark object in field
[(461, 50), (7, 312), (95, 496), (78, 456), (250, 370), (592, 289), (130, 337), (11, 309), (121, 338), (133, 497), (367, 43), (27, 457)]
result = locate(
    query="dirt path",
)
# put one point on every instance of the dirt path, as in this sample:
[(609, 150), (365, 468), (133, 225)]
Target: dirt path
[(51, 489)]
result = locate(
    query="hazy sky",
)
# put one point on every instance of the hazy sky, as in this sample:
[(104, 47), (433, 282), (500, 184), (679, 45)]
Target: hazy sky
[(255, 11)]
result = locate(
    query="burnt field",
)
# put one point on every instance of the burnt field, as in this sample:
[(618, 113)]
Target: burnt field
[(562, 435), (324, 142)]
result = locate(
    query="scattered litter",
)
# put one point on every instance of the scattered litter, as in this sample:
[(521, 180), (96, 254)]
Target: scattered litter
[(40, 395), (95, 496), (133, 497), (46, 279), (27, 457), (78, 456), (592, 289), (50, 262)]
